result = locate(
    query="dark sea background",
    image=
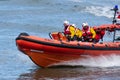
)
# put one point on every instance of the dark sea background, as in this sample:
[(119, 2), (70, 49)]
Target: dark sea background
[(39, 17)]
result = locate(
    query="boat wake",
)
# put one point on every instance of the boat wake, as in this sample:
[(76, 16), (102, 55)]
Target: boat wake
[(101, 61), (97, 10), (100, 11)]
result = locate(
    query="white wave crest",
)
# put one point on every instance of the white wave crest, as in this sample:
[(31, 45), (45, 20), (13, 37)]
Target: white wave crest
[(98, 61), (76, 0), (100, 11)]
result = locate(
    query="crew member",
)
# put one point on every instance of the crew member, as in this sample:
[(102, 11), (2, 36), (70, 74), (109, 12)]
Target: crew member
[(88, 33), (66, 29), (99, 34), (78, 34), (66, 25), (72, 28)]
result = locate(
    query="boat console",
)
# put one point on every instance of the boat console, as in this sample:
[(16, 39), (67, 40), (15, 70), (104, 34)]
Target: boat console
[(116, 36)]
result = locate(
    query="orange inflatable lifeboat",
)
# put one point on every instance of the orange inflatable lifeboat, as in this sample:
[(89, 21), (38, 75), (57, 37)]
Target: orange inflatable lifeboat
[(46, 52)]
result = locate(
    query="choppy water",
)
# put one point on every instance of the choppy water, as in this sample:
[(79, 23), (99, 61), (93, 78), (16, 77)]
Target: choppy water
[(39, 17)]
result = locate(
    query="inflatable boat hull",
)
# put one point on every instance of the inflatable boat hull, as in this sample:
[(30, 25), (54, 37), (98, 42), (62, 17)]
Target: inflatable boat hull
[(47, 52)]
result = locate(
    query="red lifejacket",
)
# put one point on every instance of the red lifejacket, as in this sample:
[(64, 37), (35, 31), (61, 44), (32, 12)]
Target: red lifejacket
[(86, 33), (99, 35), (66, 30)]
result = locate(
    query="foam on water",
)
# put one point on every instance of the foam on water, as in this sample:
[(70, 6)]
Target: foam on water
[(102, 61), (76, 0), (99, 61), (100, 11)]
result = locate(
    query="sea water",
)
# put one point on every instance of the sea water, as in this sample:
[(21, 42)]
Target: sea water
[(39, 17)]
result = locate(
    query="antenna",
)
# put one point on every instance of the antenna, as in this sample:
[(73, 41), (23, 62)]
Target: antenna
[(115, 9)]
